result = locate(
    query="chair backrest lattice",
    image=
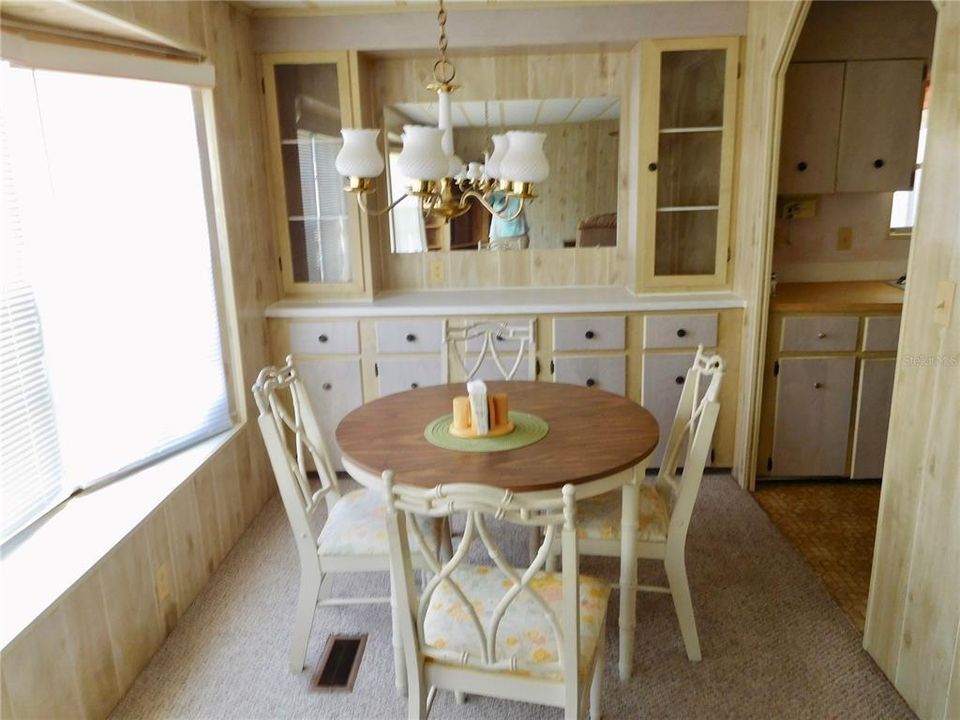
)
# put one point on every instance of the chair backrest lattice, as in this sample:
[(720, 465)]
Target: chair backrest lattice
[(477, 503), (294, 443), (688, 444), (507, 344)]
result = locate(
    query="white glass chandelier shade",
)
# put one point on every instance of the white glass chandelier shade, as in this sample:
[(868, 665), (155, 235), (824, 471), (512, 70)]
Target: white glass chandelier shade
[(474, 171), (422, 157), (500, 143), (360, 155), (524, 160), (456, 166)]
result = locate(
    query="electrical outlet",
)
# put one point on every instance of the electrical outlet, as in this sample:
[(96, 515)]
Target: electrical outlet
[(799, 208), (845, 238), (436, 271), (162, 581)]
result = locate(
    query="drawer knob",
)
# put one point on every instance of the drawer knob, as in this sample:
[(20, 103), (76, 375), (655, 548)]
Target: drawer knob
[(652, 167), (681, 333), (821, 335), (326, 386), (801, 166), (589, 335), (878, 163), (678, 379), (411, 337), (817, 385), (322, 338), (591, 382), (414, 385)]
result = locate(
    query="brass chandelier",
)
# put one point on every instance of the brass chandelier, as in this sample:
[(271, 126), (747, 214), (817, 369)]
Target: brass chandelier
[(444, 185)]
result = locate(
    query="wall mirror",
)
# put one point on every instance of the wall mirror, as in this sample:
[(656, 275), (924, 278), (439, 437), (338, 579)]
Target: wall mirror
[(575, 207)]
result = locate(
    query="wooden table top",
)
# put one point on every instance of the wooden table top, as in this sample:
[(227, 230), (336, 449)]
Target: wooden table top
[(593, 434), (863, 296)]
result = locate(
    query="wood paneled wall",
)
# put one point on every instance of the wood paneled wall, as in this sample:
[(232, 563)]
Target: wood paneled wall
[(913, 614), (80, 656), (507, 77)]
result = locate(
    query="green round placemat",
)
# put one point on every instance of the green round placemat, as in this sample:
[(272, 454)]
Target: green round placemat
[(527, 429)]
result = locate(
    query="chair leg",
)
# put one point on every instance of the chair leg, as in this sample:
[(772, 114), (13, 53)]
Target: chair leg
[(552, 563), (533, 542), (460, 696), (596, 688), (680, 590), (399, 669), (311, 582)]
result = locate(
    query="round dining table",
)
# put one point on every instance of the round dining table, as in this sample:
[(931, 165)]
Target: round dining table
[(593, 437)]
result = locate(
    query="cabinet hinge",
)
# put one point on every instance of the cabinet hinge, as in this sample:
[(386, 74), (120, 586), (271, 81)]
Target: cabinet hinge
[(739, 68), (537, 370), (280, 263), (553, 368), (769, 464), (376, 370), (776, 367), (729, 255), (263, 86), (713, 456)]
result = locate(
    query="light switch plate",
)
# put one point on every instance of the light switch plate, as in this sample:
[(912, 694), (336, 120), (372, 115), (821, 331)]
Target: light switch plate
[(436, 271), (943, 306)]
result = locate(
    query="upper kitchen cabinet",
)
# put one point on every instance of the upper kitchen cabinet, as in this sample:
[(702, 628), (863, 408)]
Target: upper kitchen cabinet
[(308, 99), (850, 126), (686, 161)]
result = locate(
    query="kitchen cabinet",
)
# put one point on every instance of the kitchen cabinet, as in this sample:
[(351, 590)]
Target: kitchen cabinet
[(334, 388), (602, 372), (812, 424), (850, 126), (399, 374), (689, 91), (308, 98), (873, 417)]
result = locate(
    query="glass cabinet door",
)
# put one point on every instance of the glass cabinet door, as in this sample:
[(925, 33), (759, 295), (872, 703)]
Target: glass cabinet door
[(307, 104), (687, 161)]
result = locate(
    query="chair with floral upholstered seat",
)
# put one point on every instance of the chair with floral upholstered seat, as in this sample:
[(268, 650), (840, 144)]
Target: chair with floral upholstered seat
[(497, 630)]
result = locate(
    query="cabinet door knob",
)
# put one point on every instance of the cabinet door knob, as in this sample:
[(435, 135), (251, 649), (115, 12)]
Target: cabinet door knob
[(326, 386), (322, 338), (681, 333), (817, 385), (801, 166), (588, 335), (678, 379), (878, 163), (411, 337), (414, 385), (652, 167), (591, 382), (821, 335)]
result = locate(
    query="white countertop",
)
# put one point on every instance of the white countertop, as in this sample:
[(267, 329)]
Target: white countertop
[(504, 301)]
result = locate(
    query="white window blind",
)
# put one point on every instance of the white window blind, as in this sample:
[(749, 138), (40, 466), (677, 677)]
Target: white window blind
[(324, 208), (112, 355)]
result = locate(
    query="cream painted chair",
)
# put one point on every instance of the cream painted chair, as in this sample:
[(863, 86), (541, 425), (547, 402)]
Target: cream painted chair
[(354, 535), (489, 350), (667, 505), (497, 630)]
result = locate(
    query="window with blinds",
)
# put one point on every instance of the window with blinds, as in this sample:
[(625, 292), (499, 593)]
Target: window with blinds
[(111, 348)]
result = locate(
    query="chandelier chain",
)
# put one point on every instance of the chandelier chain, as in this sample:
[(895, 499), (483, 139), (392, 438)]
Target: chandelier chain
[(443, 70)]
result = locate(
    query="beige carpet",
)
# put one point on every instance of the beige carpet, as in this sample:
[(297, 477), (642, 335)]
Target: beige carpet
[(774, 643)]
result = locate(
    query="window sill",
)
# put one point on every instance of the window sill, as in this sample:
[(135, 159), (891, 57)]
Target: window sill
[(42, 563)]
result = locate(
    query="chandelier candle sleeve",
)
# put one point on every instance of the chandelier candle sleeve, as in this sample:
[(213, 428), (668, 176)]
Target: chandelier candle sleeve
[(525, 161), (360, 155), (422, 157), (500, 143)]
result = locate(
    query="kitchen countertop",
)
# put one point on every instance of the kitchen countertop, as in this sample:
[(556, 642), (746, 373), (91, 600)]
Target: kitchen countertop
[(863, 296), (505, 301)]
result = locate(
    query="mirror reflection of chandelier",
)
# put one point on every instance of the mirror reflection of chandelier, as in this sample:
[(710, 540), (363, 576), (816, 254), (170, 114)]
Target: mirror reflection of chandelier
[(444, 185)]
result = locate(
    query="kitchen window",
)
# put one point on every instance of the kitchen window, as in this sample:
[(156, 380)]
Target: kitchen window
[(112, 354), (903, 215)]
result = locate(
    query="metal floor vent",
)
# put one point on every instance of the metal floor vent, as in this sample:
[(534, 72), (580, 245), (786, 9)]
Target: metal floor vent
[(340, 663)]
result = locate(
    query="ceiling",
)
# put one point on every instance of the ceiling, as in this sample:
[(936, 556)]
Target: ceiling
[(515, 113)]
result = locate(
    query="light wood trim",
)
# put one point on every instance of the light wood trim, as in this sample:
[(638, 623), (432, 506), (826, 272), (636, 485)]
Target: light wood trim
[(346, 63), (651, 52)]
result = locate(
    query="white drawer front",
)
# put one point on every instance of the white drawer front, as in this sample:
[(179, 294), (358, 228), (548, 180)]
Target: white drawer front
[(409, 336), (680, 331), (663, 378), (881, 334), (324, 338), (606, 373), (589, 333), (334, 388), (823, 333), (399, 374)]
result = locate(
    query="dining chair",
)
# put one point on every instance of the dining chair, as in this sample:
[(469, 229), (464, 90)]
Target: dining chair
[(666, 506), (353, 537), (497, 630), (489, 350)]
